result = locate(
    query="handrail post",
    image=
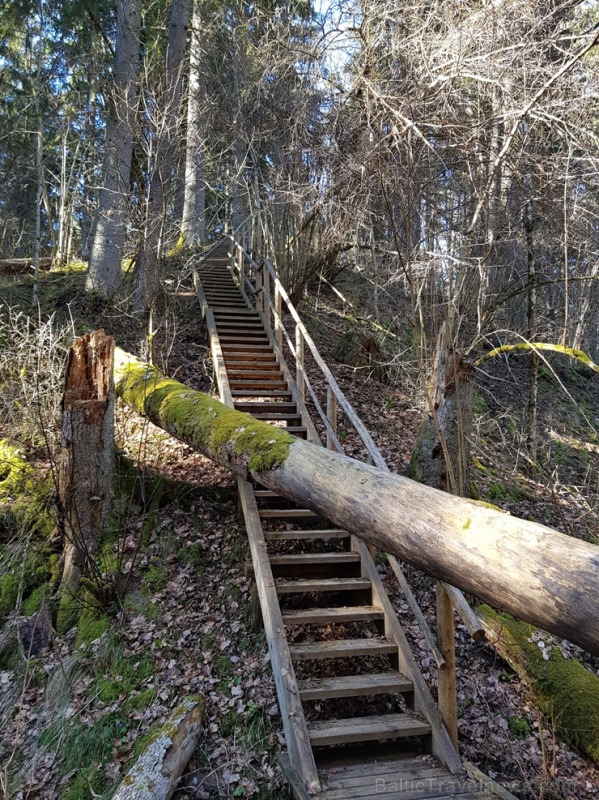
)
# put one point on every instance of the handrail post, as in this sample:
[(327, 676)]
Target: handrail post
[(299, 362), (278, 320), (331, 416), (259, 294), (268, 302), (240, 265), (447, 676), (232, 254)]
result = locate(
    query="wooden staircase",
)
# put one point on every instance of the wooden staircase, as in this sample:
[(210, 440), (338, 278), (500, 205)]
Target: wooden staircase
[(358, 717)]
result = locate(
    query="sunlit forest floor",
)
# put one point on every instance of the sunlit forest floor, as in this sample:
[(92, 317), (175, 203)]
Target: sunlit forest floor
[(176, 618)]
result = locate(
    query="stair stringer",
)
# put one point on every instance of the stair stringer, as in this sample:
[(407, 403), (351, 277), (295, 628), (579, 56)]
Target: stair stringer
[(292, 713)]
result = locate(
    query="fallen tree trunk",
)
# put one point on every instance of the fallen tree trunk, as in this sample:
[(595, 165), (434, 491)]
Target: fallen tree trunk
[(157, 771), (16, 266), (534, 572), (566, 691)]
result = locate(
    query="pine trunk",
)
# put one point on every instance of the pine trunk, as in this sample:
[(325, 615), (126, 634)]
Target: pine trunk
[(534, 572), (104, 273)]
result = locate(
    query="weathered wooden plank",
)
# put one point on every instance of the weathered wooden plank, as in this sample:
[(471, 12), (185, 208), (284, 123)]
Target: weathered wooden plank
[(287, 586), (363, 729), (341, 648), (322, 616), (292, 716), (285, 513), (354, 685), (333, 533)]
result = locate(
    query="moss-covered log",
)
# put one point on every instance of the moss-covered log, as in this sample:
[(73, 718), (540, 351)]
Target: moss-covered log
[(566, 691), (165, 754), (533, 572)]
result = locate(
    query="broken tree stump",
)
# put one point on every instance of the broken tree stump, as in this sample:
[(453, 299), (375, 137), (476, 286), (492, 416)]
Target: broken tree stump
[(86, 459)]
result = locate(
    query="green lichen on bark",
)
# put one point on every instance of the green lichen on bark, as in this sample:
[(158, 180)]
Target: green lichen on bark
[(200, 420), (579, 355), (565, 690)]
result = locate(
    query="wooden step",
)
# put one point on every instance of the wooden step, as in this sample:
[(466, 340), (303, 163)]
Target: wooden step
[(252, 366), (241, 324), (222, 309), (297, 430), (272, 417), (316, 560), (324, 616), (270, 388), (255, 374), (228, 347), (354, 686), (248, 407), (260, 393), (249, 356), (265, 493), (281, 536), (287, 586), (284, 513), (366, 729), (341, 648)]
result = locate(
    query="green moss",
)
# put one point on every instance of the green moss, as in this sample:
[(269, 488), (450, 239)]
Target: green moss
[(9, 592), (495, 491), (168, 728), (519, 727), (25, 497), (201, 420), (87, 785), (35, 600), (154, 578), (565, 690), (125, 675), (140, 701), (579, 355), (91, 625), (480, 407)]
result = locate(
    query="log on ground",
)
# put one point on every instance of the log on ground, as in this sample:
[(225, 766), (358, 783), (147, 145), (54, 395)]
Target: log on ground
[(157, 771), (565, 690), (536, 573)]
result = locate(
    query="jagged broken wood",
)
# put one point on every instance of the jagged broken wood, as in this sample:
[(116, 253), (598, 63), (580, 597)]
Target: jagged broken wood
[(156, 773), (536, 573), (87, 450)]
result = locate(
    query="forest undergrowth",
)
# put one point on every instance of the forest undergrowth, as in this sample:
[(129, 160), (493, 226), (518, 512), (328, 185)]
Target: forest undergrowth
[(175, 616)]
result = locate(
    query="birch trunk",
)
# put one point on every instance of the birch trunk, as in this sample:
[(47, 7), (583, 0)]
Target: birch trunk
[(104, 272), (192, 225)]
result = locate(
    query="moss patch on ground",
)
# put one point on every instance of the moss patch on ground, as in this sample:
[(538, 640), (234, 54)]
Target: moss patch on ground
[(565, 690)]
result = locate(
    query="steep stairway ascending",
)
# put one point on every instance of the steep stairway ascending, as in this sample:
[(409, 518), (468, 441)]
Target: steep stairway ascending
[(344, 671)]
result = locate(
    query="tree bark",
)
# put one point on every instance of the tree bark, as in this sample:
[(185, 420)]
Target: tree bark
[(157, 771), (167, 110), (104, 272), (441, 457), (85, 474), (534, 572), (192, 225)]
